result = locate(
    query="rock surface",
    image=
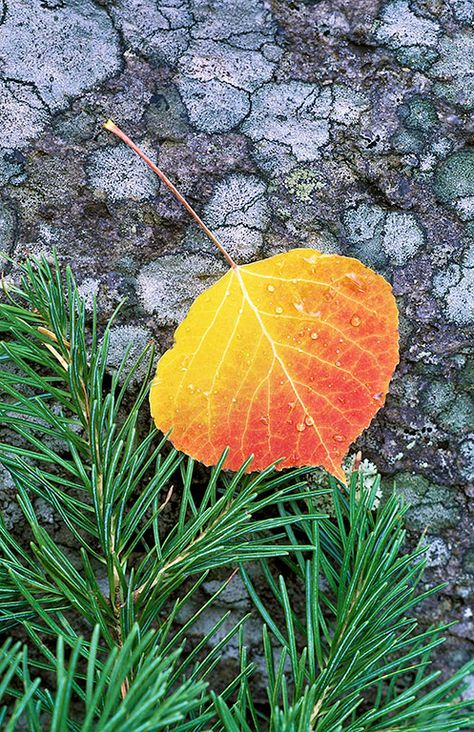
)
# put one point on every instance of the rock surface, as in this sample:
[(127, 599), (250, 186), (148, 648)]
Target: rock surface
[(344, 126)]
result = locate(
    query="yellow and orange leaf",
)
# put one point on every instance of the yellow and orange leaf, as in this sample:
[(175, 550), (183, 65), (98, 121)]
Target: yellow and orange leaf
[(289, 357)]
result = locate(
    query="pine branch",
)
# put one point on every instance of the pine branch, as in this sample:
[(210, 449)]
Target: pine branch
[(75, 441), (95, 695), (359, 637)]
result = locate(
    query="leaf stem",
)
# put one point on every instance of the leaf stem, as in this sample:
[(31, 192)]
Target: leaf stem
[(112, 127)]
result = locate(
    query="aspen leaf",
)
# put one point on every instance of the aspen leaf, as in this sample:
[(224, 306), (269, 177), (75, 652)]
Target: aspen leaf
[(284, 359), (289, 357)]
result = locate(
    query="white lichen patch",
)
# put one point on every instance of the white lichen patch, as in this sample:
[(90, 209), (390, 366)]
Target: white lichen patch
[(213, 106), (464, 207), (7, 226), (454, 183), (368, 475), (59, 51), (22, 112), (348, 104), (402, 237), (168, 285), (364, 222), (11, 512), (438, 396), (128, 341), (159, 31), (238, 213), (463, 10), (459, 299), (241, 68), (232, 20), (400, 27), (238, 199), (292, 113), (455, 285), (468, 692), (437, 551), (230, 53), (117, 173), (88, 290), (272, 157), (446, 279), (373, 231), (466, 450), (454, 71)]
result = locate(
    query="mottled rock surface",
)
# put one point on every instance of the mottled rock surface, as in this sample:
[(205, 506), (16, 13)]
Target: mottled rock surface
[(347, 126)]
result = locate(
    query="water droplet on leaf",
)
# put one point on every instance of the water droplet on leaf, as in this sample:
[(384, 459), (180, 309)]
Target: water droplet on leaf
[(355, 281), (355, 321)]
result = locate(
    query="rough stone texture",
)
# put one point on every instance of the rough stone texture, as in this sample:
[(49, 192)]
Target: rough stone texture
[(346, 126)]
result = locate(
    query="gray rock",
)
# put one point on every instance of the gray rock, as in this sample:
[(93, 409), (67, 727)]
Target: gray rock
[(168, 285), (341, 126)]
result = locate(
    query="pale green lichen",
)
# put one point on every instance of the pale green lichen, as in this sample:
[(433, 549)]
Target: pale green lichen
[(302, 182), (454, 182), (433, 507)]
